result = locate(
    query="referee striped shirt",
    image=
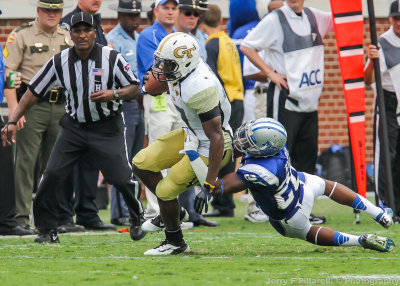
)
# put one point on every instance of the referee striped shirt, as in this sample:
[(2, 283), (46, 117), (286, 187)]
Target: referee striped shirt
[(104, 69)]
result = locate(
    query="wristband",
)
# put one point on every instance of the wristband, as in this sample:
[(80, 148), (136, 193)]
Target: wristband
[(210, 188), (222, 188), (11, 123)]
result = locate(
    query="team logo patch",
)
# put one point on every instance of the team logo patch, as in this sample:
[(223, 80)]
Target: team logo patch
[(11, 38), (181, 51), (5, 52), (127, 67)]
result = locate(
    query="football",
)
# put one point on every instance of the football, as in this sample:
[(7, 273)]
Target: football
[(155, 87)]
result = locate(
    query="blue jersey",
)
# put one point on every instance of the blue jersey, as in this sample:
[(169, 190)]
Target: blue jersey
[(275, 185)]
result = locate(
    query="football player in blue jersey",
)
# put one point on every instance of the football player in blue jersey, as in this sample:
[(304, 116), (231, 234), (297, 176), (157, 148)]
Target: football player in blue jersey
[(286, 195)]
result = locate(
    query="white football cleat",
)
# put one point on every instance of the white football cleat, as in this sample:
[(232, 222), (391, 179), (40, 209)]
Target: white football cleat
[(257, 216), (156, 224), (378, 243), (166, 248)]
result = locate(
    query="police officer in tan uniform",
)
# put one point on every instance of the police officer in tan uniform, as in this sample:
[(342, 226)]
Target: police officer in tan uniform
[(27, 49)]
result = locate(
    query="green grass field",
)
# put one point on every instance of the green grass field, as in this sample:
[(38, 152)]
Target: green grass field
[(236, 253)]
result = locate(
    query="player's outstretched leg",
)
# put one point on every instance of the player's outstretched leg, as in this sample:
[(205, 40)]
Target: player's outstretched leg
[(329, 237), (343, 195)]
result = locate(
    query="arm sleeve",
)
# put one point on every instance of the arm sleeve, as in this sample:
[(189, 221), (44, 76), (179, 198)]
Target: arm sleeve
[(15, 48), (248, 67), (44, 80), (265, 34), (123, 72), (324, 21), (212, 49), (204, 101)]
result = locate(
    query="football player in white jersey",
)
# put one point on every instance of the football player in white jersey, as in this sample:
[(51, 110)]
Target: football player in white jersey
[(200, 98), (287, 196)]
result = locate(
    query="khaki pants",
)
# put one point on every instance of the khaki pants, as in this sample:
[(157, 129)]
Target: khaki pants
[(163, 154), (34, 142)]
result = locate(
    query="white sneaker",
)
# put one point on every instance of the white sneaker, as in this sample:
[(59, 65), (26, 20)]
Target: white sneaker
[(166, 248), (257, 216), (187, 225), (156, 224)]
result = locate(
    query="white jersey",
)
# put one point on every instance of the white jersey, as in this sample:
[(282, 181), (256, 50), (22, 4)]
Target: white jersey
[(305, 77), (198, 93)]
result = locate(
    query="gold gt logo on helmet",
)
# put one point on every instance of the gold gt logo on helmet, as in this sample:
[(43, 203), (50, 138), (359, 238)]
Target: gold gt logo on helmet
[(181, 51)]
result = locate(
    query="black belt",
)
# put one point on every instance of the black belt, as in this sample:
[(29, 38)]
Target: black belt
[(261, 89), (53, 96)]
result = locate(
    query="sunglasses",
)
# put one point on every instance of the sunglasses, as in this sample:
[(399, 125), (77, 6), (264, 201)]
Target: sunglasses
[(190, 13)]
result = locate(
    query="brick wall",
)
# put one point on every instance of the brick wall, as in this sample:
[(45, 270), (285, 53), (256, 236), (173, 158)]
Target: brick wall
[(332, 110)]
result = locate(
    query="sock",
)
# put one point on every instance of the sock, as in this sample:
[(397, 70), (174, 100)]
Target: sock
[(362, 204), (345, 239), (175, 237)]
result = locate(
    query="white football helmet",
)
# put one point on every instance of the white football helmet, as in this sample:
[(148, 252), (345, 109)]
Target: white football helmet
[(176, 56), (260, 138)]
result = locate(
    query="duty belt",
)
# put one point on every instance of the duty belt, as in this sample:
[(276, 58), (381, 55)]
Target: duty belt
[(261, 89)]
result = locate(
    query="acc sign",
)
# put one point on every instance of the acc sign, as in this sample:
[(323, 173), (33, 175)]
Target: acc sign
[(310, 79), (181, 51)]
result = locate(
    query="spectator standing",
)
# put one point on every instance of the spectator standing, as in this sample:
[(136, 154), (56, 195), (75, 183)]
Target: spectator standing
[(188, 18), (84, 177), (27, 49), (123, 38), (389, 58), (160, 113), (223, 59), (8, 225), (96, 78)]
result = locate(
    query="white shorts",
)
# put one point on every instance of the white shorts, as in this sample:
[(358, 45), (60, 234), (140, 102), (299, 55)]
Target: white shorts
[(299, 225)]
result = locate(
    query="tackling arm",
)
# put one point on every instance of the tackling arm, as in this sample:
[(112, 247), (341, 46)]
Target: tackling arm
[(232, 184)]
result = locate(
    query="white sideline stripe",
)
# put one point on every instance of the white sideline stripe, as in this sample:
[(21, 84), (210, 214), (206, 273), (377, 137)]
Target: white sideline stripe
[(342, 20), (86, 233), (349, 53)]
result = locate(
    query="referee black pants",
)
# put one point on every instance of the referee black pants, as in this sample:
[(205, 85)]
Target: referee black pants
[(106, 142), (393, 139)]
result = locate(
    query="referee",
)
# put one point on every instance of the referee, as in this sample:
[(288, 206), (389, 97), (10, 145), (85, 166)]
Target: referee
[(95, 78)]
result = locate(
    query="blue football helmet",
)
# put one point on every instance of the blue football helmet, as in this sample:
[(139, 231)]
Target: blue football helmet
[(260, 138)]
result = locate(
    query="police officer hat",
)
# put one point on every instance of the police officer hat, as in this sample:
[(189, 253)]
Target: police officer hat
[(394, 9), (51, 4), (203, 5), (189, 4), (127, 6)]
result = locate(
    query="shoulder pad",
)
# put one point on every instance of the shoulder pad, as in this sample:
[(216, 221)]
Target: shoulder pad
[(23, 26)]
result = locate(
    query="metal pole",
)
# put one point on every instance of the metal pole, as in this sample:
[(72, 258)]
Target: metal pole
[(382, 110)]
